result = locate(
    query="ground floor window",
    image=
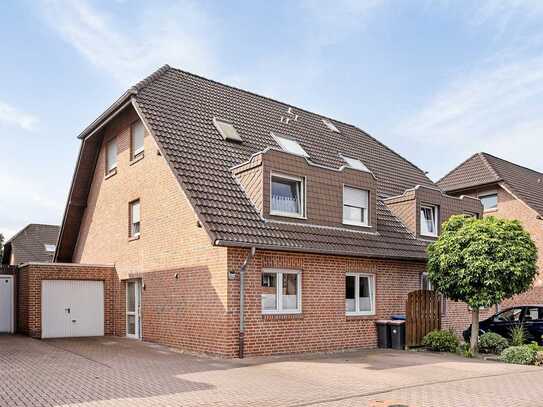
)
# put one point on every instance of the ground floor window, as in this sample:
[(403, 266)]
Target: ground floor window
[(359, 294), (281, 291)]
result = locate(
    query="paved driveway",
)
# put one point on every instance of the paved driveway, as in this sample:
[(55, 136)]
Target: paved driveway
[(120, 372)]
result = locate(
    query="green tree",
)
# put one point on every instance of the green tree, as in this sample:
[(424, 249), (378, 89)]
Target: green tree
[(481, 262)]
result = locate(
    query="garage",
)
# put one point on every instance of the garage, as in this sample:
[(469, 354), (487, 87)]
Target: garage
[(72, 308), (7, 302)]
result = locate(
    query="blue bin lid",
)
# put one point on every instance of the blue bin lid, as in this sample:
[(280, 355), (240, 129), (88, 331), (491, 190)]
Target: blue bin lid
[(398, 317)]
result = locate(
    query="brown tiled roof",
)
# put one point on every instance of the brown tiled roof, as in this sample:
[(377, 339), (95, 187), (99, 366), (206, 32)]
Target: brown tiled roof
[(484, 168), (29, 244), (179, 108)]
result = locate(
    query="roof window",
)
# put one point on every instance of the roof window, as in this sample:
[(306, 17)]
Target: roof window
[(226, 129), (290, 146), (330, 125), (50, 247), (355, 164)]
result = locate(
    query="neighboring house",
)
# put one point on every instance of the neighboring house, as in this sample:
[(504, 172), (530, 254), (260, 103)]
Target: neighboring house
[(186, 184), (507, 190), (34, 243)]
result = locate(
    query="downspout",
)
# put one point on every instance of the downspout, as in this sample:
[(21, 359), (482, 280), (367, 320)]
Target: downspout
[(242, 300)]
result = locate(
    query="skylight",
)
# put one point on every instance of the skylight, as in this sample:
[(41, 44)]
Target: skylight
[(355, 164), (226, 129), (330, 125), (50, 247), (290, 146)]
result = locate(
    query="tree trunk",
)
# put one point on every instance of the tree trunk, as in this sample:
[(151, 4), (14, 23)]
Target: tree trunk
[(474, 340)]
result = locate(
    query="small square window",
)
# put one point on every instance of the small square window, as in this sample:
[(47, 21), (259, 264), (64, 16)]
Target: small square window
[(287, 196), (111, 156), (428, 220), (226, 129), (135, 218), (489, 201), (290, 146), (359, 294), (281, 292), (137, 133), (355, 206), (355, 164), (50, 248)]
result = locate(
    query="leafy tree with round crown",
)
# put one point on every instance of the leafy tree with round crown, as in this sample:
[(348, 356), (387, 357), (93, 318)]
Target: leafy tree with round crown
[(481, 262)]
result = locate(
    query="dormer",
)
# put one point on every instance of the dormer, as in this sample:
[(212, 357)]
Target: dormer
[(424, 209), (287, 187)]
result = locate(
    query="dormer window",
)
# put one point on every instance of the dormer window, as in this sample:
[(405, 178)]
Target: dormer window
[(355, 206), (290, 146), (287, 196), (136, 140), (428, 220)]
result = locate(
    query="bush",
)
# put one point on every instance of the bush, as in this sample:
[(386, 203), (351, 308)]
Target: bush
[(491, 342), (441, 341), (521, 355), (518, 335), (539, 358)]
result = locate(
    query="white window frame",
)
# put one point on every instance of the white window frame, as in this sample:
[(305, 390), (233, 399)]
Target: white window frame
[(365, 222), (109, 167), (486, 194), (50, 248), (281, 141), (279, 292), (136, 153), (357, 311), (302, 180), (131, 205), (435, 211), (424, 276)]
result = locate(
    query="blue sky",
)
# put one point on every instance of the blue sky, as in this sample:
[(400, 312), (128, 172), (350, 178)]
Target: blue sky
[(434, 80)]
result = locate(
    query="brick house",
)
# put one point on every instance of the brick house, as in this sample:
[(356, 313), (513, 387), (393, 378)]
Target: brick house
[(197, 191), (35, 242), (507, 190)]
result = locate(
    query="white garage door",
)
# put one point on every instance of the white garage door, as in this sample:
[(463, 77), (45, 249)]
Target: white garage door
[(72, 308)]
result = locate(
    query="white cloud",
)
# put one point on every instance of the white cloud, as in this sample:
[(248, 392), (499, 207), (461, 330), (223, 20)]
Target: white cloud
[(131, 49), (13, 117), (494, 108)]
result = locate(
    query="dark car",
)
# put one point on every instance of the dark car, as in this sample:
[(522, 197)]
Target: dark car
[(529, 316)]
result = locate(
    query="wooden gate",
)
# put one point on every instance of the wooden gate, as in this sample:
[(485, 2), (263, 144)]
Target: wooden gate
[(423, 312)]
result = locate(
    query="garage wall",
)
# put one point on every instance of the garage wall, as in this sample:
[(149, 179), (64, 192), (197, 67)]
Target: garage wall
[(30, 284)]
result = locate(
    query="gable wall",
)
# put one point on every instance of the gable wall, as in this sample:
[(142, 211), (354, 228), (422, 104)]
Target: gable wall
[(184, 299)]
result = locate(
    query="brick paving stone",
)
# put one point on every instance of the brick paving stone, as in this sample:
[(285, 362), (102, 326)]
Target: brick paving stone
[(120, 372)]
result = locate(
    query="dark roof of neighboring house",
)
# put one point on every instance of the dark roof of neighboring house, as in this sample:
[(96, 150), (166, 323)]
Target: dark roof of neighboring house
[(28, 245), (178, 108), (484, 168)]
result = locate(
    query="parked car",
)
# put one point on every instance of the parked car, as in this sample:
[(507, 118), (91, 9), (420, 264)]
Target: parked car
[(529, 316)]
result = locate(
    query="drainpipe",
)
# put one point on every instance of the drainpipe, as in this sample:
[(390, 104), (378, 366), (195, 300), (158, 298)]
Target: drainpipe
[(242, 300)]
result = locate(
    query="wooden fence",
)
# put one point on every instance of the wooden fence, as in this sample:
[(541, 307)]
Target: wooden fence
[(423, 312)]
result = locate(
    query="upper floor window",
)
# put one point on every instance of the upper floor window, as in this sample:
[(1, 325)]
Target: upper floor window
[(136, 139), (355, 206), (425, 282), (428, 220), (135, 218), (359, 294), (489, 201), (281, 292), (287, 196), (111, 156)]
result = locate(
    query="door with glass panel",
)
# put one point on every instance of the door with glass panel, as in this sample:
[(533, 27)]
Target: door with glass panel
[(133, 307)]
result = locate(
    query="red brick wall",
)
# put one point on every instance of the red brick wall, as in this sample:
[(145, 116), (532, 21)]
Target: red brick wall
[(29, 292), (323, 325)]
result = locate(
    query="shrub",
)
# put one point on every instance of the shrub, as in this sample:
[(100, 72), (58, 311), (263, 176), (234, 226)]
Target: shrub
[(539, 358), (521, 355), (441, 341), (518, 335), (491, 342)]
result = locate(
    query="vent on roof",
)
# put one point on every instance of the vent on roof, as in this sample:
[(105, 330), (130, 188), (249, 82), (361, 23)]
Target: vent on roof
[(330, 125), (355, 164), (290, 146), (226, 129)]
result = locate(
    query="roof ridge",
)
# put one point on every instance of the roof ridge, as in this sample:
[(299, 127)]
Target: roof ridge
[(150, 79), (457, 167), (490, 166), (262, 96), (510, 162)]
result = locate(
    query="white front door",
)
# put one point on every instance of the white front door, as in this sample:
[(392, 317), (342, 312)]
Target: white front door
[(133, 307), (72, 308), (6, 304)]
